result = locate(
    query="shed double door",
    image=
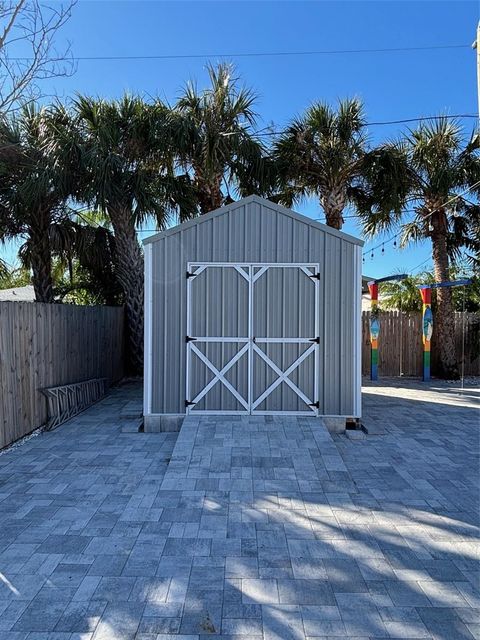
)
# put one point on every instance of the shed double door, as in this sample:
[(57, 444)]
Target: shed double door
[(252, 338)]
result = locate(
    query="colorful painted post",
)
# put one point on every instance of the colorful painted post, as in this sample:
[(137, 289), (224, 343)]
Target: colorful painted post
[(426, 293), (374, 330)]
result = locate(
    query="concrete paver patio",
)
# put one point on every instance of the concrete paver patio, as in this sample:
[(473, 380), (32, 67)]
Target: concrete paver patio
[(259, 528)]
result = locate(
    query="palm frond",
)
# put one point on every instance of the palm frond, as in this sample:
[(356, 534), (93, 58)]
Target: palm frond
[(411, 232), (322, 153)]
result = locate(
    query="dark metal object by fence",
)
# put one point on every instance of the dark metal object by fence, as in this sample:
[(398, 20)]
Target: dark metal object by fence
[(68, 400)]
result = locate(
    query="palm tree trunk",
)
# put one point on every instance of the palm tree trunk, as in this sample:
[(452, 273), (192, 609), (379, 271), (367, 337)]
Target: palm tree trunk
[(210, 196), (41, 263), (129, 263), (444, 325), (333, 203)]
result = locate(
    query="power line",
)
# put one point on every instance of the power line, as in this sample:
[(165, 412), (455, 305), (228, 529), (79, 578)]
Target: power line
[(263, 54), (405, 120), (262, 133), (442, 206), (420, 265)]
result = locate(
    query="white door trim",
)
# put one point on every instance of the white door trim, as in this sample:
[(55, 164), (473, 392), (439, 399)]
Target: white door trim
[(251, 272)]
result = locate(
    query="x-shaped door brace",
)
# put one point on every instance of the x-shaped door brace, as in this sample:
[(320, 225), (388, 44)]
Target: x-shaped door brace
[(283, 376), (220, 375)]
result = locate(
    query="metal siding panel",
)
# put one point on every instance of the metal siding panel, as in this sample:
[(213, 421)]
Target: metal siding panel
[(284, 251), (220, 237), (332, 322), (350, 285), (269, 234), (237, 245), (253, 230), (204, 244), (357, 339), (147, 349), (301, 242), (158, 326), (346, 343), (174, 323)]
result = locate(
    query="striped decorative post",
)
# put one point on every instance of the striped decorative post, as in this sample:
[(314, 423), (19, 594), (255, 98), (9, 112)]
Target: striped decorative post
[(374, 330), (426, 293)]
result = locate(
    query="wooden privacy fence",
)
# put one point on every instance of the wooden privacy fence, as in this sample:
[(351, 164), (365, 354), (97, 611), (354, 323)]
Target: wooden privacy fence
[(400, 343), (47, 345)]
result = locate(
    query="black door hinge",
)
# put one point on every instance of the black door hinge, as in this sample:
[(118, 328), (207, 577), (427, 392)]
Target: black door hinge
[(315, 404), (189, 339), (188, 403), (190, 274), (315, 275), (317, 340)]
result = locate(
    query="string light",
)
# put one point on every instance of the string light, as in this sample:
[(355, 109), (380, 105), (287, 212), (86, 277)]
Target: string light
[(430, 214)]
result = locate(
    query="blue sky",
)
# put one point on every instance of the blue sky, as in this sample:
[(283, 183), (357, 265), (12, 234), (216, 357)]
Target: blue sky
[(393, 85)]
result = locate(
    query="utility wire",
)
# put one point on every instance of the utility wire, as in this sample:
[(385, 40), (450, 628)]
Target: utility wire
[(264, 54), (420, 265), (459, 116), (442, 206), (262, 133)]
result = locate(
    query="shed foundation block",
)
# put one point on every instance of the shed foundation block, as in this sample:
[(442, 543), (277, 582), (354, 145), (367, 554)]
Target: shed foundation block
[(159, 423), (335, 425)]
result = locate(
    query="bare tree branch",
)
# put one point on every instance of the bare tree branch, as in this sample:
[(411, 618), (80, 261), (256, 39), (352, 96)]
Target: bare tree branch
[(11, 22), (27, 49)]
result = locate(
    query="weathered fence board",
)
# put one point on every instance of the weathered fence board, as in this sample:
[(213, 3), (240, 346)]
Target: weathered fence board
[(400, 343), (46, 345)]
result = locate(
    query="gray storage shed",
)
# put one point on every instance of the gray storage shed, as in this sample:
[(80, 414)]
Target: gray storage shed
[(252, 308)]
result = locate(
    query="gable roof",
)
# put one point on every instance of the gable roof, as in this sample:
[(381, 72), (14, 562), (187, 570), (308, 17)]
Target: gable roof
[(262, 201)]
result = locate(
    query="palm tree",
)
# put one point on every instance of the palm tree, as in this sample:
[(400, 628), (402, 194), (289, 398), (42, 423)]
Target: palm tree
[(35, 186), (85, 248), (215, 140), (436, 173), (324, 153), (126, 170)]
